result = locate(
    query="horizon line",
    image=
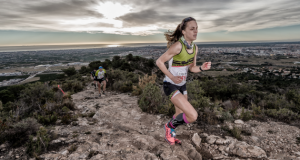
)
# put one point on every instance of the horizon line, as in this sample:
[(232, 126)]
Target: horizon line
[(160, 42)]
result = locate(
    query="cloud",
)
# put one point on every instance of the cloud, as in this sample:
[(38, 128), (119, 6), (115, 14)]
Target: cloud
[(144, 17)]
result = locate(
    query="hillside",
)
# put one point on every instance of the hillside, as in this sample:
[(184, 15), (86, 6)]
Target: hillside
[(114, 127)]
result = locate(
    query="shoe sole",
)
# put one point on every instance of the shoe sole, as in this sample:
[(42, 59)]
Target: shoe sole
[(166, 137)]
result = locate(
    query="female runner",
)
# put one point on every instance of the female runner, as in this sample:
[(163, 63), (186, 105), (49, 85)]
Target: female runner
[(181, 54)]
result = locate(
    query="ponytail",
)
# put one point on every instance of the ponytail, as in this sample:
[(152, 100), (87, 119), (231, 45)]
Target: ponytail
[(174, 36)]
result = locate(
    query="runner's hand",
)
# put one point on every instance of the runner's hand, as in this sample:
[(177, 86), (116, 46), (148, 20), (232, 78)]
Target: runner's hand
[(177, 79), (106, 80), (206, 66)]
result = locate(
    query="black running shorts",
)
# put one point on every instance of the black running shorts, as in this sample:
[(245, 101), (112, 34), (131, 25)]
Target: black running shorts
[(101, 80), (172, 90)]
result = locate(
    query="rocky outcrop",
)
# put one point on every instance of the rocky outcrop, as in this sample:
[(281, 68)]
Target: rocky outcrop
[(114, 127)]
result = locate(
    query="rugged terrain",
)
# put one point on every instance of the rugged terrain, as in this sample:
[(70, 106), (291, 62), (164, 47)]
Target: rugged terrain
[(120, 130)]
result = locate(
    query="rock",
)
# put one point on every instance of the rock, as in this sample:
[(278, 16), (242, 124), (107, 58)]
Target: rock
[(203, 135), (83, 156), (222, 141), (97, 157), (3, 147), (194, 155), (238, 121), (196, 139), (55, 141), (97, 115), (74, 156), (242, 149), (211, 139), (227, 104), (254, 139), (65, 152)]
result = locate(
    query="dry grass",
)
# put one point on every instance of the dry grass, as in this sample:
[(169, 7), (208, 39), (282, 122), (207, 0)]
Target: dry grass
[(31, 80)]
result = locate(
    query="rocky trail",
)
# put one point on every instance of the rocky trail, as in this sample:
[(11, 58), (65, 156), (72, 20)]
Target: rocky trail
[(117, 129)]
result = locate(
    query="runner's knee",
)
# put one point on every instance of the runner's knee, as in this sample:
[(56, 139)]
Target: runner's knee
[(193, 117)]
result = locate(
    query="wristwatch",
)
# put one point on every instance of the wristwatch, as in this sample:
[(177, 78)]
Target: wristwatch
[(201, 69)]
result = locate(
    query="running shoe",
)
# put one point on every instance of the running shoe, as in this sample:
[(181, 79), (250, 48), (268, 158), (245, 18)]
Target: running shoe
[(103, 92), (170, 134), (100, 95), (177, 141)]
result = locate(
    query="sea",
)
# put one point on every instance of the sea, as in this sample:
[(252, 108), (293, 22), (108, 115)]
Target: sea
[(89, 46), (80, 46)]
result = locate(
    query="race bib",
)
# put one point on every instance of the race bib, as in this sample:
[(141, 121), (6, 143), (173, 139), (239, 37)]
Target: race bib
[(182, 75)]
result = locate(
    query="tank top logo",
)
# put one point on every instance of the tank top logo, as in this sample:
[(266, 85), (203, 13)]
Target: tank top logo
[(183, 63)]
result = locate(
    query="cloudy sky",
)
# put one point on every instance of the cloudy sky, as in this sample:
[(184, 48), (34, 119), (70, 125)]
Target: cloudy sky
[(142, 21)]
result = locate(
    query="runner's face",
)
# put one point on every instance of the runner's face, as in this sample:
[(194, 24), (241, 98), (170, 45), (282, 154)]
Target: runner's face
[(100, 69), (191, 30)]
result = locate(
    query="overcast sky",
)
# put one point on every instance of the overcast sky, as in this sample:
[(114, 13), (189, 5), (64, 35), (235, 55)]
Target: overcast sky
[(119, 21)]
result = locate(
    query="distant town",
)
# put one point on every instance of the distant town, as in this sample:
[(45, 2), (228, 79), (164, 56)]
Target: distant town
[(278, 59)]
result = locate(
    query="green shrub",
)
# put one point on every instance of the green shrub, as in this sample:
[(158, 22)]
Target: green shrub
[(207, 116), (69, 104), (246, 116), (257, 110), (47, 119), (70, 71), (196, 95), (40, 145), (121, 81), (236, 132), (19, 133), (84, 70), (73, 86), (123, 86), (226, 116), (151, 100), (282, 114), (65, 109), (66, 119)]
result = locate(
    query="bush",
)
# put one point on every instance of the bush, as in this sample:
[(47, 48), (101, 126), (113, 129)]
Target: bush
[(66, 119), (256, 110), (196, 95), (69, 104), (121, 80), (246, 116), (70, 71), (226, 116), (47, 119), (84, 70), (19, 133), (137, 90), (150, 100), (40, 145), (72, 86), (65, 109), (236, 132), (282, 114)]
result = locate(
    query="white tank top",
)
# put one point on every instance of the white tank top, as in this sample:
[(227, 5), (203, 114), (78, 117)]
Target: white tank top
[(180, 63)]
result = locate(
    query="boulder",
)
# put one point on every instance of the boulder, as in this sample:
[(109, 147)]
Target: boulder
[(196, 139)]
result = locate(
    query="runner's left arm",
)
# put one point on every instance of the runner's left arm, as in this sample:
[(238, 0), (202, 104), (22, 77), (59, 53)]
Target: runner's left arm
[(105, 75), (194, 68)]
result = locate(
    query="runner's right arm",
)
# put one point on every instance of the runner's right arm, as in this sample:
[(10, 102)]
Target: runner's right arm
[(160, 62)]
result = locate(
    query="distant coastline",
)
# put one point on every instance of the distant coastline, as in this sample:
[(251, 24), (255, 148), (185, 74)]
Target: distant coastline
[(90, 46)]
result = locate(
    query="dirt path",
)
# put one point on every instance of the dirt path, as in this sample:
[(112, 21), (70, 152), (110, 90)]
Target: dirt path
[(117, 129)]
